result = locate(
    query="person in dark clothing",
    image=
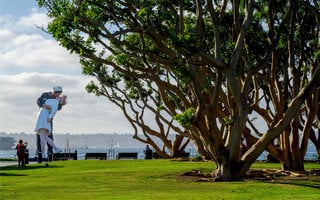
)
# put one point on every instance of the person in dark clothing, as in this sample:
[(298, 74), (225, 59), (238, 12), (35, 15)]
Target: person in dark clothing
[(148, 152), (21, 148), (54, 94)]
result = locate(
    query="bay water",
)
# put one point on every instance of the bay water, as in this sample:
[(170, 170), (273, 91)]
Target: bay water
[(113, 152)]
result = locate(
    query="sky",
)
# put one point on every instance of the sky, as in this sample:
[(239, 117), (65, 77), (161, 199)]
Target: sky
[(32, 62)]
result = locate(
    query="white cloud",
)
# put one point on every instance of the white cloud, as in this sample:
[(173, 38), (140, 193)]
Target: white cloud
[(84, 113), (31, 63), (6, 22), (23, 50), (34, 51), (6, 36), (35, 19), (27, 24)]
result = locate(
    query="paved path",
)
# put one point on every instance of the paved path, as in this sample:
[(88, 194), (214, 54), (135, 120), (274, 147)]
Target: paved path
[(12, 163), (8, 163)]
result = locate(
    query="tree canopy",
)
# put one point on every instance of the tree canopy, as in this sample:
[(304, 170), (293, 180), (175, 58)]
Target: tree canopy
[(227, 71)]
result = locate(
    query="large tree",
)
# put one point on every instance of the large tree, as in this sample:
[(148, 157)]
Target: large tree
[(294, 59), (214, 66)]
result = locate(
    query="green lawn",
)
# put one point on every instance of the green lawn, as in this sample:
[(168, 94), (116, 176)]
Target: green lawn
[(138, 179)]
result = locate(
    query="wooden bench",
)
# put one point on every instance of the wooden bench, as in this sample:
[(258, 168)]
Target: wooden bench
[(100, 156), (63, 156), (127, 155)]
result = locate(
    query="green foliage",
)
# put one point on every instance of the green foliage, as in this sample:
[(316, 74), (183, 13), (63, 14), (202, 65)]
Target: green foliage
[(317, 55), (121, 59), (93, 88), (182, 72), (91, 68), (305, 68), (228, 121), (186, 118)]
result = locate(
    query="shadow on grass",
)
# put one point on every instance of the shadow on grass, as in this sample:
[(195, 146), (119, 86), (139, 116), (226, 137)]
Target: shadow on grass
[(6, 169), (11, 174), (308, 178), (310, 184)]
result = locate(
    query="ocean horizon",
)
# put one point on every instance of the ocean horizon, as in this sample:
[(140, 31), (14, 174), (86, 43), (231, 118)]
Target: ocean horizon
[(113, 152)]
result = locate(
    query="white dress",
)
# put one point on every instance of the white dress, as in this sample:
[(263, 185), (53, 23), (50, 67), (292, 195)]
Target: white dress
[(44, 114)]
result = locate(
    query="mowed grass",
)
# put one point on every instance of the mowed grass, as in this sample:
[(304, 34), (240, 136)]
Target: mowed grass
[(139, 179)]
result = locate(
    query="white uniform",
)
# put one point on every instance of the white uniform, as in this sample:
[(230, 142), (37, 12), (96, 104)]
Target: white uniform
[(42, 123), (44, 114)]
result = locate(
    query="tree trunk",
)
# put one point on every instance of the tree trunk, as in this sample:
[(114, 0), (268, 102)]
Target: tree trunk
[(228, 169), (292, 161)]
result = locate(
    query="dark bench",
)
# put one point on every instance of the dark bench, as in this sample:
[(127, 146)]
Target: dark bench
[(185, 155), (127, 155), (100, 156), (63, 156)]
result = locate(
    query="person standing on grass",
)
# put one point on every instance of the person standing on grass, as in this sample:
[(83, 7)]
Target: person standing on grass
[(21, 148), (55, 93), (44, 121)]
